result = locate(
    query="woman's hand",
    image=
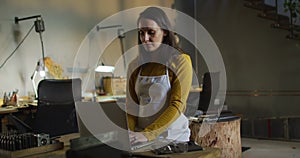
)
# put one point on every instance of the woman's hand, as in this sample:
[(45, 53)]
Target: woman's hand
[(136, 137)]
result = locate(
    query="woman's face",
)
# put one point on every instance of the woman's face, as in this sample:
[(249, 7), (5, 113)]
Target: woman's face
[(150, 34)]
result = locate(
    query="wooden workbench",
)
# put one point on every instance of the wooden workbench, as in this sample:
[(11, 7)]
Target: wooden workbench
[(206, 153)]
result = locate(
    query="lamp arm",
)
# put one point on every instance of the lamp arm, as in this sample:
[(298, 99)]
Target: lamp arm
[(43, 51), (107, 27), (121, 36), (26, 18)]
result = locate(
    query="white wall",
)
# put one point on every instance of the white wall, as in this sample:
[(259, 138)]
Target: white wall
[(66, 24)]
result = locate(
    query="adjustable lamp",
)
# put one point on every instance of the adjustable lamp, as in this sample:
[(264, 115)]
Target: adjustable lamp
[(110, 69), (39, 28)]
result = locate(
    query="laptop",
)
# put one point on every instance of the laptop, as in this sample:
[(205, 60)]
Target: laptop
[(106, 123)]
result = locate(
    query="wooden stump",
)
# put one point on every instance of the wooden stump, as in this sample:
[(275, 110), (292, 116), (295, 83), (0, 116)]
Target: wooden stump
[(224, 135)]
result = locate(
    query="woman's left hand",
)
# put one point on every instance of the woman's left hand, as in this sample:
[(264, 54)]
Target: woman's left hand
[(136, 137)]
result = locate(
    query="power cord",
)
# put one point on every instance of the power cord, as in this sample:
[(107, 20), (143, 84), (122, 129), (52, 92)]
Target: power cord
[(17, 47)]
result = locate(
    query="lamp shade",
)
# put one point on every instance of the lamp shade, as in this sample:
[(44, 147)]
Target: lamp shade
[(102, 68), (41, 68)]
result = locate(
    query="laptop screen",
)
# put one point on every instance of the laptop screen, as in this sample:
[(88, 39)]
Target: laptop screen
[(106, 121)]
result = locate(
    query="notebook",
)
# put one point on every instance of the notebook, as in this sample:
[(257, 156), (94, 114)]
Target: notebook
[(106, 121)]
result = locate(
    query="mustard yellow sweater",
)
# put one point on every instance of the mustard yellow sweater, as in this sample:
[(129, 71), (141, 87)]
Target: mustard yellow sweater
[(180, 74)]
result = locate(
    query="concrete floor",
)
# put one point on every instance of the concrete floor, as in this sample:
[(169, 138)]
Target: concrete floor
[(261, 148)]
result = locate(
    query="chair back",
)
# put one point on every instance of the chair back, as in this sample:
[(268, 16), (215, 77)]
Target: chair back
[(209, 90), (56, 113)]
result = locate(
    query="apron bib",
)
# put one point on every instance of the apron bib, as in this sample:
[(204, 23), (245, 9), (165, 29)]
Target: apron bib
[(153, 94)]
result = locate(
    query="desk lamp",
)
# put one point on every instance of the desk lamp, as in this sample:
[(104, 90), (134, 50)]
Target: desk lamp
[(110, 69)]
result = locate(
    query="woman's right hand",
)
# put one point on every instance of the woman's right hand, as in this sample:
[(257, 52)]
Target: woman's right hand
[(136, 137)]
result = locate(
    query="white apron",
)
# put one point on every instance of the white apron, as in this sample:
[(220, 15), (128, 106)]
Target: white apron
[(153, 94)]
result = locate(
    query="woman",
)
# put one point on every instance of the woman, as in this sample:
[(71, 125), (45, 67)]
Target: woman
[(159, 80)]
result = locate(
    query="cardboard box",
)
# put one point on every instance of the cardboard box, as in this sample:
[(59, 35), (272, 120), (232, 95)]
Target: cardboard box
[(114, 86)]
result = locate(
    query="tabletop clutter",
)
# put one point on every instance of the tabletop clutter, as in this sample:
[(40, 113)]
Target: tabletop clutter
[(10, 99)]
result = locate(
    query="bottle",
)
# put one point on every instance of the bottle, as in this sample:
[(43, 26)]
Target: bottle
[(5, 99), (14, 98)]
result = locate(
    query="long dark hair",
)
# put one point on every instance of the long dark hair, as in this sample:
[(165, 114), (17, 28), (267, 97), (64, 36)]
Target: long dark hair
[(162, 20)]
